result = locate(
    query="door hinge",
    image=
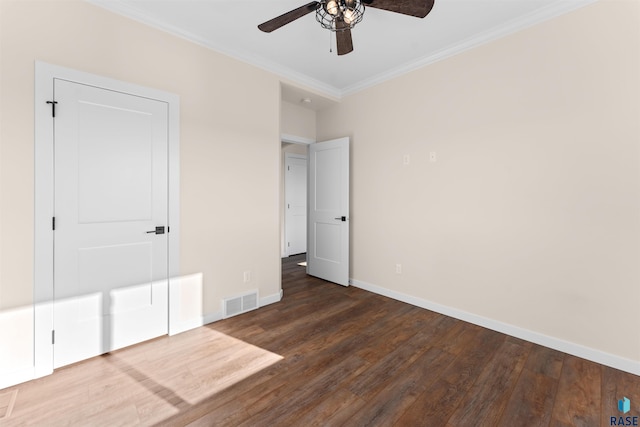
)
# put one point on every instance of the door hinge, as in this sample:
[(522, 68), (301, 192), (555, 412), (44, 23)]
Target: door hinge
[(53, 107), (53, 337), (288, 206), (288, 244), (53, 223)]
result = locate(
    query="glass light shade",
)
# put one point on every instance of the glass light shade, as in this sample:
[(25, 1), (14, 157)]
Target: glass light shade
[(332, 7), (347, 15)]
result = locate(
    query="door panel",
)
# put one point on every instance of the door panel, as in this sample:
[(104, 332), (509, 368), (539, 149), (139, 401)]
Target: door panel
[(328, 251), (328, 180), (105, 196), (110, 275), (327, 242)]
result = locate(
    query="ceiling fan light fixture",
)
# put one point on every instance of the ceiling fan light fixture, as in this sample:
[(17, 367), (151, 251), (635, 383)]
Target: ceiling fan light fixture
[(349, 12), (340, 16)]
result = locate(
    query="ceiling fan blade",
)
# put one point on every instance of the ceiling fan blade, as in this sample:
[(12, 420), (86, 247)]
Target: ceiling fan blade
[(285, 18), (417, 8), (343, 37)]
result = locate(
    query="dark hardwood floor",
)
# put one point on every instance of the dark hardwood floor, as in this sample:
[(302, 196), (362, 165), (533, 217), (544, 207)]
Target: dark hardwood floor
[(328, 356)]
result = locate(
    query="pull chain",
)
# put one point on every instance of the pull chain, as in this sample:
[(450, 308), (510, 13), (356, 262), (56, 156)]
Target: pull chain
[(330, 45)]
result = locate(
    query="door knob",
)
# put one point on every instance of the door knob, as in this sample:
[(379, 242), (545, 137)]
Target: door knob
[(341, 218), (158, 230)]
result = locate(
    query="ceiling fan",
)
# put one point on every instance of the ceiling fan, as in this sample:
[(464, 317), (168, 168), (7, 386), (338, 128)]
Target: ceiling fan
[(341, 16)]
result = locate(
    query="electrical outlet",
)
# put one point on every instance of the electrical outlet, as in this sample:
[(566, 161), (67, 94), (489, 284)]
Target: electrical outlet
[(247, 276), (406, 159), (398, 268), (433, 157)]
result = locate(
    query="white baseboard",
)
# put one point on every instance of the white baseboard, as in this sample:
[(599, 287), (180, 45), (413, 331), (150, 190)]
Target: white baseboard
[(195, 323), (574, 349), (178, 327), (271, 299), (8, 379), (12, 378), (212, 317), (185, 302)]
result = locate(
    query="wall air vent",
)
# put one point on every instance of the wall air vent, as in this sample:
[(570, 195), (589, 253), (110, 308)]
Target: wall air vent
[(240, 304)]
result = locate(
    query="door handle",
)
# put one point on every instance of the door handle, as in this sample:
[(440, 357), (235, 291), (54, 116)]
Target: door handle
[(158, 230), (341, 218)]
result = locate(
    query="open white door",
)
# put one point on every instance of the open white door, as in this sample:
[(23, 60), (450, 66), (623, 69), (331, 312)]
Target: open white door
[(328, 214), (111, 213)]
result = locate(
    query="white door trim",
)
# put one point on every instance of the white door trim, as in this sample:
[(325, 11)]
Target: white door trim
[(293, 139), (44, 193)]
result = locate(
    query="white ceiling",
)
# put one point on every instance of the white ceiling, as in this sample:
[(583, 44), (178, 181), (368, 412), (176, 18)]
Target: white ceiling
[(386, 44)]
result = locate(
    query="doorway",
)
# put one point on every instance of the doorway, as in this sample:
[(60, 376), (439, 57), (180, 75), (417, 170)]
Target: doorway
[(327, 210), (295, 203)]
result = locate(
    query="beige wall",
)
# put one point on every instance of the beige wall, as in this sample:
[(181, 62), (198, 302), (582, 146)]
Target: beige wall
[(230, 149), (297, 121), (531, 214)]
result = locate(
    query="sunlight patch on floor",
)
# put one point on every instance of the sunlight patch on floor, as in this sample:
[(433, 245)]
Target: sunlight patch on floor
[(141, 384), (7, 400)]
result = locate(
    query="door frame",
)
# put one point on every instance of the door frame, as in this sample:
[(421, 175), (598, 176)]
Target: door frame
[(287, 139), (44, 193), (288, 156)]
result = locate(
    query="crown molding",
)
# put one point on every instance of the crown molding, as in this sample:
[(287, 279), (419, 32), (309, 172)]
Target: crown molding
[(554, 10), (123, 9)]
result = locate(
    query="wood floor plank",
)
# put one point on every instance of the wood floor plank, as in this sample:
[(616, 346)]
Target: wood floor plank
[(484, 403), (7, 400), (456, 334), (386, 403), (617, 385), (334, 410), (395, 362), (531, 402), (545, 361), (303, 396), (440, 400), (579, 394)]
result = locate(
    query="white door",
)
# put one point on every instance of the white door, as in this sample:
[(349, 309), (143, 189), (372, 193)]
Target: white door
[(295, 203), (328, 246), (110, 274)]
